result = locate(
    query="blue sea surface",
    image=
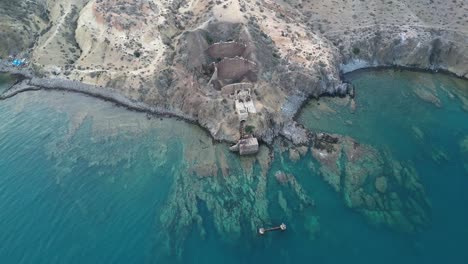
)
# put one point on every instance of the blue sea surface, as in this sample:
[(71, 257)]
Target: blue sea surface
[(84, 181)]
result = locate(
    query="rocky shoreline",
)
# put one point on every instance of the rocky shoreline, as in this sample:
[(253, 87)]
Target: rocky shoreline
[(290, 130), (192, 59), (176, 58), (28, 82)]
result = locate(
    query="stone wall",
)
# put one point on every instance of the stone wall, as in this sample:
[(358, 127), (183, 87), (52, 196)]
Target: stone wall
[(235, 68), (230, 89), (226, 50)]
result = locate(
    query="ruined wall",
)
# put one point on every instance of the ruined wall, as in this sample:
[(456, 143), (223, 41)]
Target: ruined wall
[(248, 146), (230, 89), (226, 50), (235, 68)]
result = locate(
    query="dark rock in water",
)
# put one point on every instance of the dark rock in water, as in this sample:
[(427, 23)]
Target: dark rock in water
[(325, 142), (342, 89), (351, 90)]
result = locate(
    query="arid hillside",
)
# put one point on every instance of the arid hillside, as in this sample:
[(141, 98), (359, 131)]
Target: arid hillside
[(155, 52)]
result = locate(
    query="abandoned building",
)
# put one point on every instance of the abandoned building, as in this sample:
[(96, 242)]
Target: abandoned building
[(244, 104), (233, 76), (246, 146), (230, 89)]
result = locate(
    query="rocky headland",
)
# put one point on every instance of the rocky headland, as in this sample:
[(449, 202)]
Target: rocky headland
[(244, 67), (161, 55)]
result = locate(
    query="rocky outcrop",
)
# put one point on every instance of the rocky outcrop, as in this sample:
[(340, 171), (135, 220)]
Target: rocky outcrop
[(296, 133), (409, 47)]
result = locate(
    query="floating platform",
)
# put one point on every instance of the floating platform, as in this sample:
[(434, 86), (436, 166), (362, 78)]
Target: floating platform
[(262, 231)]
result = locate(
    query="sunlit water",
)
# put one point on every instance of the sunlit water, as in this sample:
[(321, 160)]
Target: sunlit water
[(84, 181)]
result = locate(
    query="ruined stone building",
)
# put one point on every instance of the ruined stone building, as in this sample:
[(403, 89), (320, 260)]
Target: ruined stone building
[(234, 76), (246, 146)]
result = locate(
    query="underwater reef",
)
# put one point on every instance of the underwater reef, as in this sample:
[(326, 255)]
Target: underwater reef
[(464, 152), (386, 191)]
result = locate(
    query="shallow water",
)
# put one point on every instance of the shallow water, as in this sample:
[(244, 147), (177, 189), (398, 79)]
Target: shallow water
[(84, 181)]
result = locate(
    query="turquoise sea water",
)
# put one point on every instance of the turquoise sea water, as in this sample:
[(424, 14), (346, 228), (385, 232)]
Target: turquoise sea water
[(84, 181)]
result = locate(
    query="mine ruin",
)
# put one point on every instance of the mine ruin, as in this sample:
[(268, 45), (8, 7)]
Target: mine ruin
[(226, 50), (234, 76)]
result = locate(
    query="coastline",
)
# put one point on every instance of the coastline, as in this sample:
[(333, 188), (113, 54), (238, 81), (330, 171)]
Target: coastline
[(28, 82), (401, 68)]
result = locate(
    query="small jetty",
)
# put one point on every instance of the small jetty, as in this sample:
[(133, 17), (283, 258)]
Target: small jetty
[(263, 231)]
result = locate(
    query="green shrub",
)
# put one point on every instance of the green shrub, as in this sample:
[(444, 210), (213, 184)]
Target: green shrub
[(249, 129), (356, 50), (209, 39)]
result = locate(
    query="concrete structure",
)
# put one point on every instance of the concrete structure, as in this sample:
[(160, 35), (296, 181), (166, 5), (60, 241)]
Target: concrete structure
[(230, 89), (226, 50), (246, 146), (244, 104), (242, 111), (262, 230)]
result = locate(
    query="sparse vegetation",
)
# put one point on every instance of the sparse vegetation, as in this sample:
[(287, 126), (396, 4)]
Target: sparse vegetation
[(356, 51), (209, 39), (249, 129)]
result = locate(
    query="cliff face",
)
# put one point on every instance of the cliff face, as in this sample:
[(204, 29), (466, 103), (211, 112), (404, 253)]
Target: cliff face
[(154, 52), (21, 21), (424, 34), (411, 48)]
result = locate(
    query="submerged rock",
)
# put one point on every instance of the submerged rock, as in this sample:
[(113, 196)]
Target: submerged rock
[(296, 153), (418, 133), (384, 190), (236, 200), (281, 177), (312, 226), (464, 152), (381, 184), (428, 96), (438, 155)]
